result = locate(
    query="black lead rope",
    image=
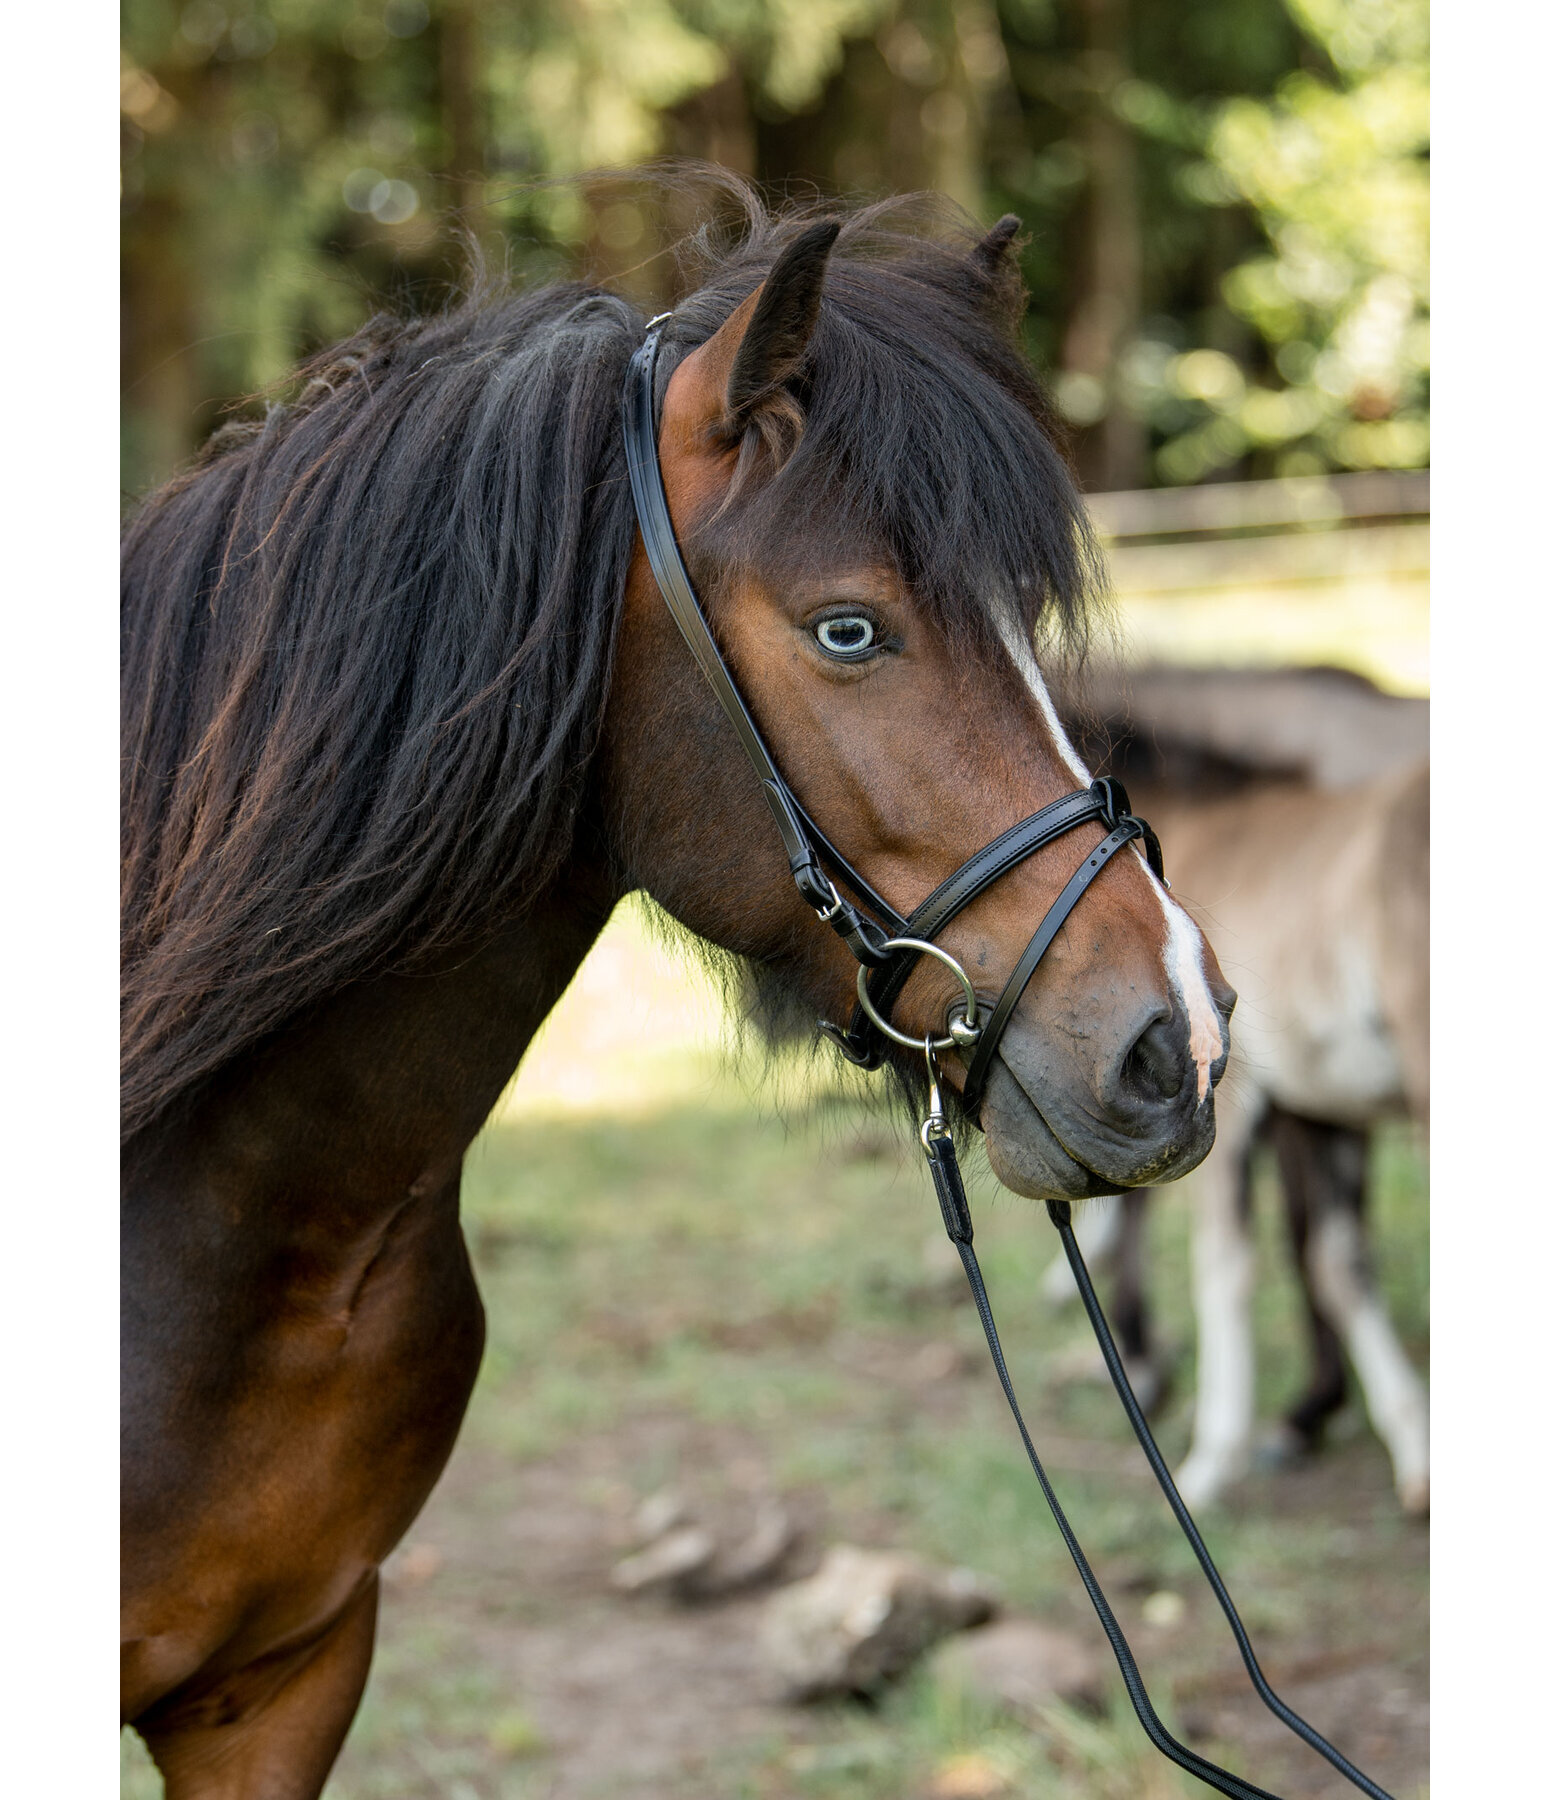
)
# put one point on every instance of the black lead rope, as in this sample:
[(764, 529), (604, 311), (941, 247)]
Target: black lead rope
[(942, 1159)]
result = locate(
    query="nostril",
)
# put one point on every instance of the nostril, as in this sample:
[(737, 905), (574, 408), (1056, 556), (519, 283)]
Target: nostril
[(1159, 1062)]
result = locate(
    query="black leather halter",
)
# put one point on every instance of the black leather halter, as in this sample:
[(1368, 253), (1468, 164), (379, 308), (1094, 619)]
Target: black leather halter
[(887, 946), (811, 854)]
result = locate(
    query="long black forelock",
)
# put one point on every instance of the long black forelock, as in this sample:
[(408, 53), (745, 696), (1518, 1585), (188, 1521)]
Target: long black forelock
[(927, 440)]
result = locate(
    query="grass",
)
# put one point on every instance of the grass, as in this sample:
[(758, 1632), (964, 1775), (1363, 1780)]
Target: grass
[(710, 1262), (763, 1277)]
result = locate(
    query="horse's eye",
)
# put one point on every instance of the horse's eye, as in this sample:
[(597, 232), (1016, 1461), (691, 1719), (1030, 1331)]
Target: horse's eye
[(848, 637)]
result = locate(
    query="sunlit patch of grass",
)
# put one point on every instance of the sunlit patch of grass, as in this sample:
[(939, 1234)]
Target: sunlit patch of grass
[(714, 1263), (436, 1722), (138, 1778), (927, 1741)]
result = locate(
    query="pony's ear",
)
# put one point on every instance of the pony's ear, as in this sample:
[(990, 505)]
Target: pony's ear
[(989, 255), (775, 344), (739, 375)]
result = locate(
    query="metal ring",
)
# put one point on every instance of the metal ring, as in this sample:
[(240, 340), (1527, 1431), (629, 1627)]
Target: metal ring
[(971, 1006)]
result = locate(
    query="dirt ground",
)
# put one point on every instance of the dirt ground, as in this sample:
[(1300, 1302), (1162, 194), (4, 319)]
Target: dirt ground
[(660, 1701), (508, 1667), (694, 1290)]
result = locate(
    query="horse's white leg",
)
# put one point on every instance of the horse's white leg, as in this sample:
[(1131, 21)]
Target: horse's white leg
[(1222, 1258), (1097, 1227), (1396, 1399)]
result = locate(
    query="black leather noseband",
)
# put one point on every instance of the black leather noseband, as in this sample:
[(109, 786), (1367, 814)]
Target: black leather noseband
[(885, 965), (811, 855)]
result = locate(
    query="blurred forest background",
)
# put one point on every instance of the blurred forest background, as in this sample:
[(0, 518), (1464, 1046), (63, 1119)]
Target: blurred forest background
[(1225, 201)]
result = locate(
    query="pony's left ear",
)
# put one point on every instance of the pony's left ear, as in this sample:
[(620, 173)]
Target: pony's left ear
[(989, 255), (739, 376)]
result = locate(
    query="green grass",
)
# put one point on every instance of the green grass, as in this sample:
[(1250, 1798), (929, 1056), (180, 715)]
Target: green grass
[(711, 1263)]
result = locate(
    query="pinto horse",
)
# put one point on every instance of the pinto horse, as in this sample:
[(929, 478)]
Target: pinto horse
[(406, 717), (1294, 804)]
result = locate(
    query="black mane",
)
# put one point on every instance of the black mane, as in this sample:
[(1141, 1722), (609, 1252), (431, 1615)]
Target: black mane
[(368, 642)]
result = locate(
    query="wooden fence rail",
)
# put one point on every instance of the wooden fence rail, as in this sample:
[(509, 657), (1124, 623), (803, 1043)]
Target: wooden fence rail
[(1318, 569)]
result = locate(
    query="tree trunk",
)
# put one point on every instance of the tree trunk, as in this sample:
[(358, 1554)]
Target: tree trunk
[(462, 130), (715, 125), (951, 117), (159, 365), (1108, 310)]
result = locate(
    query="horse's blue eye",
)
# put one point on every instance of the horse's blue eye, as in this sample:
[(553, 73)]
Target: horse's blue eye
[(848, 636)]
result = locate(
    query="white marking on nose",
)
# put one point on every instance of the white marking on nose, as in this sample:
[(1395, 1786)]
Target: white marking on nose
[(1184, 957)]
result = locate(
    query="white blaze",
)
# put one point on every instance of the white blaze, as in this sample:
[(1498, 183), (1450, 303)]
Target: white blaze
[(1021, 653), (1184, 960), (1184, 957)]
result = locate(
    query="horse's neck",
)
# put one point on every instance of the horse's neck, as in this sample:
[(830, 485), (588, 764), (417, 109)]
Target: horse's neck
[(327, 1134)]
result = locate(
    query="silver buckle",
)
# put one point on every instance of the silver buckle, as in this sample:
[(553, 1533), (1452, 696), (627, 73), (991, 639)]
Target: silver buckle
[(836, 904)]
